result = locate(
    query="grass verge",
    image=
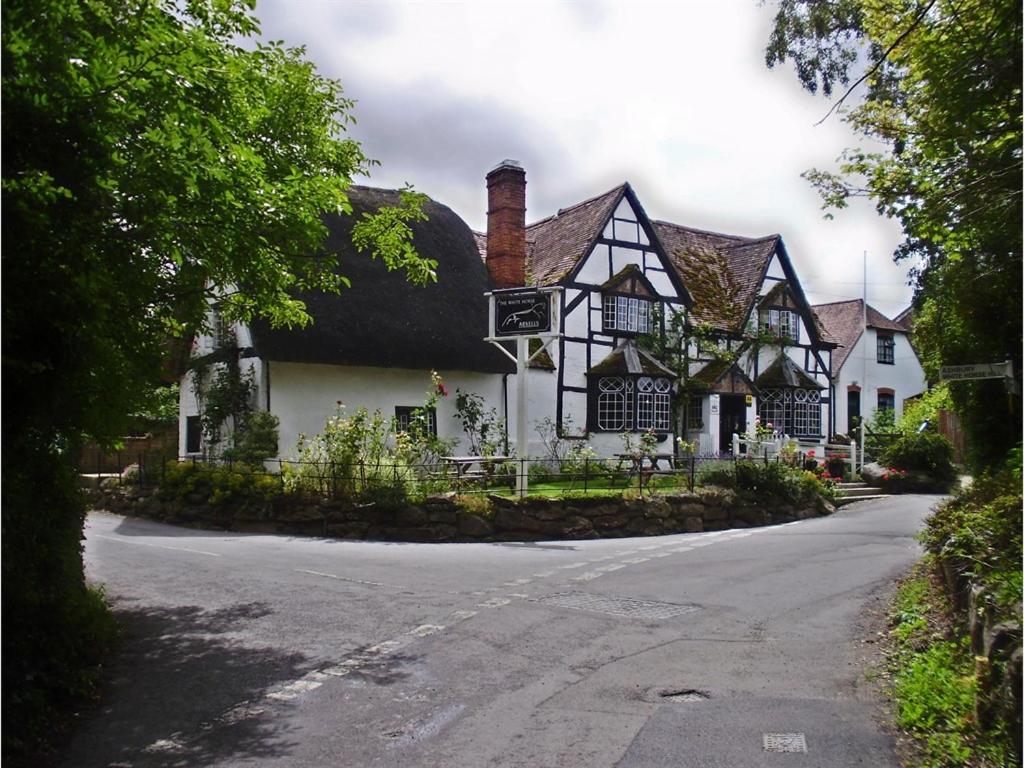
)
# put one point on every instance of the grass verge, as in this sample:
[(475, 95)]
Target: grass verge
[(933, 681)]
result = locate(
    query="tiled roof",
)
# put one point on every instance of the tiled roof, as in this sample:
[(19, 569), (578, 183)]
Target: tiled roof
[(628, 358), (556, 244), (722, 272), (785, 373), (844, 322)]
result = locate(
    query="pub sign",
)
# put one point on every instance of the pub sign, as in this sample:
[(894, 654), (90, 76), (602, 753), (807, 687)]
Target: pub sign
[(524, 313)]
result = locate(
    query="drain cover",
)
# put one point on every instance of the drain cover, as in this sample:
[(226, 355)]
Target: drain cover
[(683, 696), (617, 606), (785, 742)]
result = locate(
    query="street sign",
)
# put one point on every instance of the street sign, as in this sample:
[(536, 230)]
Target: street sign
[(523, 313), (976, 371)]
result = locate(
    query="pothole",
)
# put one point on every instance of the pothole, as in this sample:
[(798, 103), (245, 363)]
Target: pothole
[(682, 695)]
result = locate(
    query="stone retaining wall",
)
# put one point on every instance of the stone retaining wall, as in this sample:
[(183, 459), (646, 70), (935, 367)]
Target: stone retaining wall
[(447, 518)]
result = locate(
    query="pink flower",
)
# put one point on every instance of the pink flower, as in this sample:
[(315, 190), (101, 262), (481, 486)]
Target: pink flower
[(810, 454), (770, 425)]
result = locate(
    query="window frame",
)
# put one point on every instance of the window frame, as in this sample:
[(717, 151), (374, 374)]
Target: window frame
[(631, 403), (794, 411), (790, 329), (616, 305), (885, 348), (404, 413)]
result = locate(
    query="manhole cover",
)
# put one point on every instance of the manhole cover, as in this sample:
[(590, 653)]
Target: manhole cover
[(683, 695), (617, 606), (785, 742)]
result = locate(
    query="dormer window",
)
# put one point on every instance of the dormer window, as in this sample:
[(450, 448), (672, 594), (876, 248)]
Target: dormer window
[(780, 323), (627, 314), (628, 303)]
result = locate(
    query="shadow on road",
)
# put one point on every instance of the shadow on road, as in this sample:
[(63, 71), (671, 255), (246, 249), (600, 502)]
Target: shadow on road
[(178, 670)]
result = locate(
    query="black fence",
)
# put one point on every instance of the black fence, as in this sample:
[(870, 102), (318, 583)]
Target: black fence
[(461, 475)]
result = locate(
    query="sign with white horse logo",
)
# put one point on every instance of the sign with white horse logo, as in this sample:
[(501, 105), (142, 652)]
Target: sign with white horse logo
[(521, 314)]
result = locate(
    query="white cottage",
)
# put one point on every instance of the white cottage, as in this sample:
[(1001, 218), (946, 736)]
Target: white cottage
[(876, 368), (749, 343)]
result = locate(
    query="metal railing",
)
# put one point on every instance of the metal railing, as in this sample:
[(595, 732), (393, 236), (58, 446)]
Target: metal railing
[(354, 480)]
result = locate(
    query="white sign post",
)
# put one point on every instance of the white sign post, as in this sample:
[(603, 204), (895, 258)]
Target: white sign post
[(522, 314)]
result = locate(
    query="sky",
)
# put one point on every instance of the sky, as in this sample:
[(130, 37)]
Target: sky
[(674, 98)]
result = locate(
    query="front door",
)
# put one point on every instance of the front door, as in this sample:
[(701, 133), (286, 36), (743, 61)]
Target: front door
[(732, 417)]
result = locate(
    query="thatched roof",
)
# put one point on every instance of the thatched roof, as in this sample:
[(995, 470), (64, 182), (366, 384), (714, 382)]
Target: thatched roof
[(383, 320)]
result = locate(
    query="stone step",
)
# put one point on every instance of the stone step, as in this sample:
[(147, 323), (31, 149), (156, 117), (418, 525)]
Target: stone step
[(843, 501), (851, 485), (856, 492)]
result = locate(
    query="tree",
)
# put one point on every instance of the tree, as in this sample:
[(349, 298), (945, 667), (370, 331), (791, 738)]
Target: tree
[(943, 97), (150, 163)]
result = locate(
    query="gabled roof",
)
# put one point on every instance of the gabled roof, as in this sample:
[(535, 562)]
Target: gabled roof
[(383, 320), (722, 272), (627, 358), (785, 373), (724, 376), (906, 319), (556, 244), (844, 321)]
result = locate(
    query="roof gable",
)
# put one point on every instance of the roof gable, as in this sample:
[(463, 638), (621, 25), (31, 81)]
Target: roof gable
[(627, 358), (844, 321), (785, 373)]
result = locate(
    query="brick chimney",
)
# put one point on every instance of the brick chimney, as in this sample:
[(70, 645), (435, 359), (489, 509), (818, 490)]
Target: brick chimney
[(506, 225)]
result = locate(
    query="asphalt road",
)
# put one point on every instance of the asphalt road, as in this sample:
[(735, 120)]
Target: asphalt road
[(718, 649)]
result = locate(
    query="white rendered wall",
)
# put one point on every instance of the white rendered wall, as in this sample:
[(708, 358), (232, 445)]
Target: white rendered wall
[(303, 396), (861, 368)]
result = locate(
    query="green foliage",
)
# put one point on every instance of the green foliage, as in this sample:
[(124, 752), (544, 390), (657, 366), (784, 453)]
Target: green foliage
[(159, 410), (980, 528), (351, 458), (943, 98), (255, 438), (155, 158), (925, 408), (934, 686), (484, 430), (417, 444), (219, 484), (776, 481), (923, 452)]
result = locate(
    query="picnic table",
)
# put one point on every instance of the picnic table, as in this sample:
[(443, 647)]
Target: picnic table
[(463, 465), (652, 460)]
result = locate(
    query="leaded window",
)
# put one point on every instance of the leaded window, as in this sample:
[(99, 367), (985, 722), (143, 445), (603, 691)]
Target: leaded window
[(773, 407), (886, 401), (792, 411), (806, 412), (627, 314), (625, 403)]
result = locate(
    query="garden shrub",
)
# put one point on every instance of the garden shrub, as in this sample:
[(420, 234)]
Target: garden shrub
[(837, 466), (775, 480), (255, 438), (219, 484), (923, 452), (981, 528)]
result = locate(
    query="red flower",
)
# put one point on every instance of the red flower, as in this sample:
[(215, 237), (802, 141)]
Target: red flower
[(442, 390)]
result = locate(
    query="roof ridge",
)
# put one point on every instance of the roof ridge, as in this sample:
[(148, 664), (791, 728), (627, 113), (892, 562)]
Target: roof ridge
[(698, 230), (833, 303), (563, 211)]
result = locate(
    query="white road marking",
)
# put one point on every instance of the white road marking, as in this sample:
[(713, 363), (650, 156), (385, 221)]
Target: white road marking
[(637, 560), (426, 629), (462, 615), (348, 579), (588, 576), (494, 602), (157, 546), (612, 567)]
